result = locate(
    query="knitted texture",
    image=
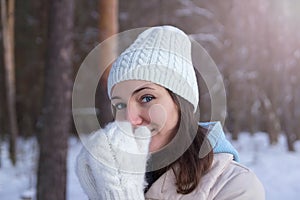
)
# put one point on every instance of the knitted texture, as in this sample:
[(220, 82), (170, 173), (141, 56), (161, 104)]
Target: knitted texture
[(218, 141), (113, 162), (161, 55)]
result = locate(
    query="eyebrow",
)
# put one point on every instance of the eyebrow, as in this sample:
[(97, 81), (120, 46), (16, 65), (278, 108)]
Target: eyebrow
[(136, 91), (140, 89), (116, 97)]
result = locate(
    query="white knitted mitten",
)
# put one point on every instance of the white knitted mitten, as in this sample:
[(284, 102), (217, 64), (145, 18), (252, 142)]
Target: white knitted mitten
[(113, 162)]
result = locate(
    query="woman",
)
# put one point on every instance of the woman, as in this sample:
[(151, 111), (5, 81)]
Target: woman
[(154, 95)]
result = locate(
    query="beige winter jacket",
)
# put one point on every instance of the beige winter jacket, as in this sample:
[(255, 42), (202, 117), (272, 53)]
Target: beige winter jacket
[(226, 179)]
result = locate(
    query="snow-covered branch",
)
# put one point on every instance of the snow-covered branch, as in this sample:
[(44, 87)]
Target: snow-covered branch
[(207, 37), (190, 8)]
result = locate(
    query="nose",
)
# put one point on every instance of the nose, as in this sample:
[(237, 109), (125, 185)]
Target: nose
[(134, 114)]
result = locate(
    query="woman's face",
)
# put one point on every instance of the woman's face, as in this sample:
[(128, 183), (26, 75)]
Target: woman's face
[(143, 103)]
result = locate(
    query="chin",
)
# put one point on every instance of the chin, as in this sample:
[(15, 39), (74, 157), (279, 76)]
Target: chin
[(155, 147)]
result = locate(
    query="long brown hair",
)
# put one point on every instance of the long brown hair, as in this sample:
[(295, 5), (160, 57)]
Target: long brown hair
[(194, 152), (192, 165)]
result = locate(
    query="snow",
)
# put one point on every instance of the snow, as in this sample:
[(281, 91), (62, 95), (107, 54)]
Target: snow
[(277, 169), (17, 183)]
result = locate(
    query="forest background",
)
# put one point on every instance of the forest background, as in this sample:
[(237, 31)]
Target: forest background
[(255, 44)]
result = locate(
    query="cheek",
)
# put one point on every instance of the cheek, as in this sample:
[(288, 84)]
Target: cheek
[(171, 115), (158, 115), (120, 115), (164, 117), (164, 134)]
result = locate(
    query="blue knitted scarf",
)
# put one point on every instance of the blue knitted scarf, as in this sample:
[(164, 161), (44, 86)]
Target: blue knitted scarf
[(218, 140)]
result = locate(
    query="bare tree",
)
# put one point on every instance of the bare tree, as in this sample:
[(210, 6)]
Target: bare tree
[(53, 139), (7, 15), (108, 26)]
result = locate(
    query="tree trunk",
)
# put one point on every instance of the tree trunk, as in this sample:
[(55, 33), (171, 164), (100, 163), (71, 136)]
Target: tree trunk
[(289, 110), (272, 121), (108, 26), (7, 13), (53, 139)]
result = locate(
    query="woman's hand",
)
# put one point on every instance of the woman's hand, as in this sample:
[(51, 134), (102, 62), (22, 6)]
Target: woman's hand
[(113, 162)]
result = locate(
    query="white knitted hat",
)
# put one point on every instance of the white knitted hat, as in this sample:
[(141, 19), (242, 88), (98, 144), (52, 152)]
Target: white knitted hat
[(161, 55)]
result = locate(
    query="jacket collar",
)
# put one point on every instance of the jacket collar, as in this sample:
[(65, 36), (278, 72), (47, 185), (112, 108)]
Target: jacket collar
[(165, 186)]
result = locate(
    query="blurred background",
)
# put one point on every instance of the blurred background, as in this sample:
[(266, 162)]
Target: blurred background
[(255, 44)]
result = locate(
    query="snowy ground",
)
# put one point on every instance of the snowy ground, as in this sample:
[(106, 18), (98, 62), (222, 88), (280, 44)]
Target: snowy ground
[(277, 169)]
